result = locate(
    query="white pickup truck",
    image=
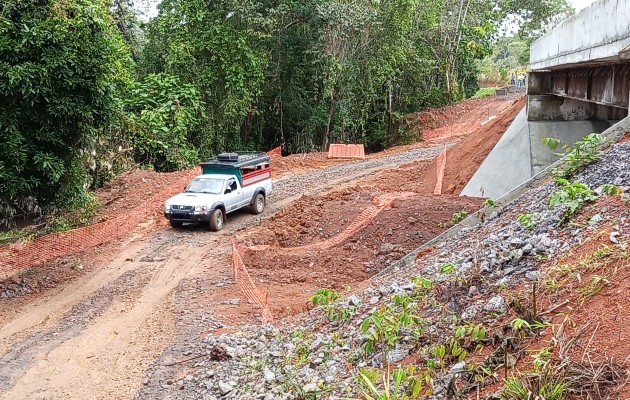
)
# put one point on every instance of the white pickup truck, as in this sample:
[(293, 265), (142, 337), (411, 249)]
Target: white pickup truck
[(229, 182)]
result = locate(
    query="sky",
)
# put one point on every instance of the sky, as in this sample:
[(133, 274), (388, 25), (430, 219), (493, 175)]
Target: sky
[(580, 4)]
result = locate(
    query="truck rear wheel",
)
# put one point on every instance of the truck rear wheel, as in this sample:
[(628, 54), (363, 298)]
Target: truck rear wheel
[(176, 224), (216, 220), (258, 205)]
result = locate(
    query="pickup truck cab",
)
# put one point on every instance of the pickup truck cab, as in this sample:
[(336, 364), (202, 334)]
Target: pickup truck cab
[(229, 182)]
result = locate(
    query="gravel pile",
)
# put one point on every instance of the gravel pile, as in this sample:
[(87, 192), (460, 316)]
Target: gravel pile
[(316, 358), (286, 188)]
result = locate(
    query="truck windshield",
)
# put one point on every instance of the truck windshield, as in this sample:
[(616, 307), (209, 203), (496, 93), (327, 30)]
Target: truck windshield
[(205, 185)]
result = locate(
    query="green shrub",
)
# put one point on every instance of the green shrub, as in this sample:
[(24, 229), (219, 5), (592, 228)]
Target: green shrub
[(485, 92), (163, 118), (578, 156), (548, 384), (573, 195), (527, 220), (459, 216)]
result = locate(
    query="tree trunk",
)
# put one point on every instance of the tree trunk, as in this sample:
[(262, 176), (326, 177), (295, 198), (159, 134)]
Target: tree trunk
[(331, 109)]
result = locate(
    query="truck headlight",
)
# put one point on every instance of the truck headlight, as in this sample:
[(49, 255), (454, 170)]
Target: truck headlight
[(167, 206), (200, 208)]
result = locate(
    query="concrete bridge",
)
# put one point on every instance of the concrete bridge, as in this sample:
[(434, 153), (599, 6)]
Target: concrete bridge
[(581, 69), (579, 82)]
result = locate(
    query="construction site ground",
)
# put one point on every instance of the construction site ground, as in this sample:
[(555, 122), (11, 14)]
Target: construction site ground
[(102, 323)]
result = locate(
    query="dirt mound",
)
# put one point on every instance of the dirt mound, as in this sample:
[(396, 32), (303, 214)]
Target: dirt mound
[(463, 160), (415, 177), (456, 119), (310, 219), (131, 189), (291, 277)]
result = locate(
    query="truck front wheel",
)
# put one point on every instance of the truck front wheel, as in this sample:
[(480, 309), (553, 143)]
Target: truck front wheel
[(258, 205), (216, 220)]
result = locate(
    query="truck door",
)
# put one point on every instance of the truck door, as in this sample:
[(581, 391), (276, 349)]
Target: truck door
[(233, 195)]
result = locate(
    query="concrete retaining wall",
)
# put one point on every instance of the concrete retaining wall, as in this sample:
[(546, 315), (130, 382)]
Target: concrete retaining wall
[(600, 31), (519, 154)]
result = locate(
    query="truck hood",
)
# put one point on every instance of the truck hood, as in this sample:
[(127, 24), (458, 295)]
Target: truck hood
[(193, 199)]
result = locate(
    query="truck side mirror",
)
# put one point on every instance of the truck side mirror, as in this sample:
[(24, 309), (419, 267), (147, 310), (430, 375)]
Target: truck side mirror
[(228, 190)]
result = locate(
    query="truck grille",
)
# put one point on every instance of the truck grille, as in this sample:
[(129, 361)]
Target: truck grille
[(183, 208), (180, 216)]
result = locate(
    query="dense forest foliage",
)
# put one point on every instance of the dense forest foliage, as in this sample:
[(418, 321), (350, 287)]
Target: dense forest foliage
[(87, 89)]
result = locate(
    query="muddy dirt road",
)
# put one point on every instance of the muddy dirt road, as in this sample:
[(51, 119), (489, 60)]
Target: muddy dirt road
[(97, 337), (132, 307)]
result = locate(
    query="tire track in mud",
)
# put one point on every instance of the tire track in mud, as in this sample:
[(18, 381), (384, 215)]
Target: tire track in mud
[(110, 326), (46, 312), (99, 336), (106, 351), (23, 354)]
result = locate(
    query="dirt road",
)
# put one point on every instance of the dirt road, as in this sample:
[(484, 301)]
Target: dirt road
[(109, 333), (96, 337)]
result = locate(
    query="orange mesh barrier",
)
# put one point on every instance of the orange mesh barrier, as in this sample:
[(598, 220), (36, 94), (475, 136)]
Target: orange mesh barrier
[(441, 166), (23, 255), (247, 286), (277, 151), (346, 151)]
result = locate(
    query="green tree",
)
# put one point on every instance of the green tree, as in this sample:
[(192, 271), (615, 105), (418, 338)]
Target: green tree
[(535, 17), (163, 116), (508, 54), (61, 64), (221, 50), (129, 25)]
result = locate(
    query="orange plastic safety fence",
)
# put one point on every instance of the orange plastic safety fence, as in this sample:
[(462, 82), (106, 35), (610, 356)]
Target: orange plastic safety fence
[(441, 167), (247, 286), (24, 255)]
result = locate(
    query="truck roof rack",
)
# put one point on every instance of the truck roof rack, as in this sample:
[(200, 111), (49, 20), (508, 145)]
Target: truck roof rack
[(237, 159)]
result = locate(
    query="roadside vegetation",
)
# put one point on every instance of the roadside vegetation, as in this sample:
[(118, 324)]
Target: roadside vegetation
[(88, 90), (485, 92)]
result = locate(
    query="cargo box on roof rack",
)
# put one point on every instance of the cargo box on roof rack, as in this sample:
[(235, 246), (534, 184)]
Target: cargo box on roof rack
[(249, 167), (236, 160)]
